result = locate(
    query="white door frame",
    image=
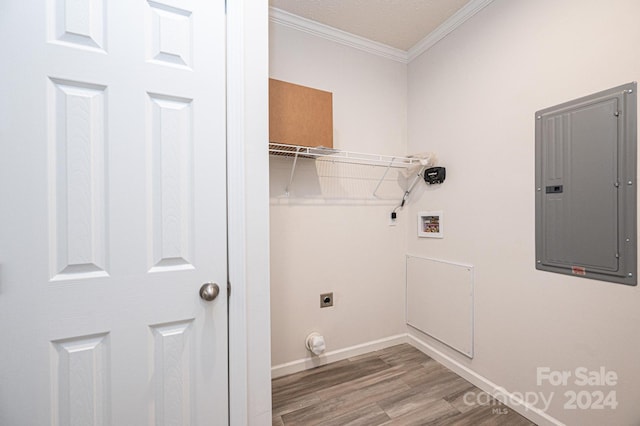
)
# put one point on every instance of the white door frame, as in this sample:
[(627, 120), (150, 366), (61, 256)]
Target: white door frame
[(248, 212)]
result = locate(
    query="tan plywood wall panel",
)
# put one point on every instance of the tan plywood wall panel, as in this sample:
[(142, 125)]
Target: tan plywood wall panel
[(300, 115)]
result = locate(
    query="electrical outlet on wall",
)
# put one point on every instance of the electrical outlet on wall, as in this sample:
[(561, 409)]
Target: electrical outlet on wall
[(393, 218), (326, 300)]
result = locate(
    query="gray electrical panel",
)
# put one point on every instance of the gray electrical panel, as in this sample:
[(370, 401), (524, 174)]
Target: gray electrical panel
[(586, 186)]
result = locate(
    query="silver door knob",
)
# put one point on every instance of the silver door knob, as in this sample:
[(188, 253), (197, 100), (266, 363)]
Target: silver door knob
[(209, 291)]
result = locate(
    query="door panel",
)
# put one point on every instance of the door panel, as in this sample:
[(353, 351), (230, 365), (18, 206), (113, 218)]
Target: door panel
[(113, 213)]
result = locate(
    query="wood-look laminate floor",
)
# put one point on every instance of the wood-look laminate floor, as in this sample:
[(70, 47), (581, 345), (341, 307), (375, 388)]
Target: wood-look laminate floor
[(394, 386)]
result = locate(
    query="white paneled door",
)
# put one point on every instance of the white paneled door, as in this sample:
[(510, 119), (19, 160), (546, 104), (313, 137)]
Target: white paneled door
[(112, 212)]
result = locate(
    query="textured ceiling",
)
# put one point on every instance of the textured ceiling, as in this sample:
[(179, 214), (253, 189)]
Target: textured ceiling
[(396, 23)]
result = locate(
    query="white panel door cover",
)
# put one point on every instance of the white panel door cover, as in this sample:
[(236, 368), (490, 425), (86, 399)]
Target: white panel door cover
[(113, 212)]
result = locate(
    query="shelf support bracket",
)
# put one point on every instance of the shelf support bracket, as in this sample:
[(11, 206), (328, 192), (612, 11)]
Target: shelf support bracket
[(418, 176), (293, 170), (383, 176)]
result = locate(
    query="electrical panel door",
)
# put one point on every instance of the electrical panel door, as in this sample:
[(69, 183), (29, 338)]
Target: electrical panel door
[(585, 186)]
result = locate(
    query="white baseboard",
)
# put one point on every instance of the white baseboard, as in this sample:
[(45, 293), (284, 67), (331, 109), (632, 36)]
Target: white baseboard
[(517, 404), (337, 355)]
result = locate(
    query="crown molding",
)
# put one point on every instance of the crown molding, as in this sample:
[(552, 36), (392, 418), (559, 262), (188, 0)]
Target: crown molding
[(308, 26), (448, 26), (299, 23)]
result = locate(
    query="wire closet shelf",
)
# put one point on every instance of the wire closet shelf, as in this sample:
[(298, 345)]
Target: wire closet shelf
[(339, 156)]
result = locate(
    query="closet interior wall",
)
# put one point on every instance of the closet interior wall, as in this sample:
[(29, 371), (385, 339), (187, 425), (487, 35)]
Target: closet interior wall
[(472, 99), (322, 243)]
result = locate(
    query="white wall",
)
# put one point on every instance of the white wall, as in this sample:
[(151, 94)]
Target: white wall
[(330, 234), (472, 99)]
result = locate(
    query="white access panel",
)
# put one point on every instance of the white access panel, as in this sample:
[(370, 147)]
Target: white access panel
[(440, 301)]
